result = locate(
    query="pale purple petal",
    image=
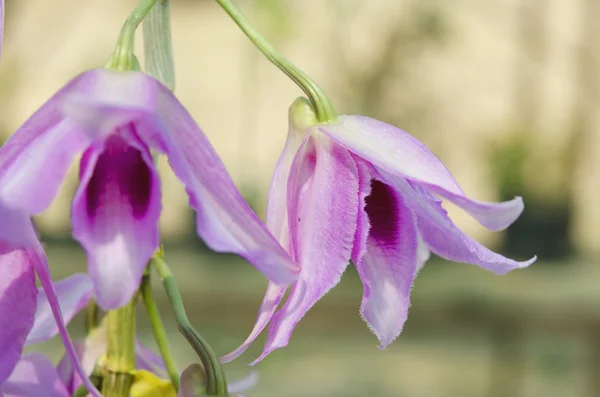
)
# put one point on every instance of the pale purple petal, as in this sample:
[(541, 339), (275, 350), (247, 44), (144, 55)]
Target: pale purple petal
[(244, 384), (423, 253), (268, 306), (43, 120), (442, 236), (33, 376), (389, 264), (16, 228), (73, 294), (148, 360), (65, 369), (399, 153), (277, 213), (278, 224), (40, 264), (362, 225), (32, 180), (35, 159), (224, 221), (322, 204), (17, 305), (115, 216)]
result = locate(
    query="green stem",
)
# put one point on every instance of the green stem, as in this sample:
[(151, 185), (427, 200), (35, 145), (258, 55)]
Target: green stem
[(216, 383), (123, 58), (120, 352), (320, 101), (158, 328), (92, 316)]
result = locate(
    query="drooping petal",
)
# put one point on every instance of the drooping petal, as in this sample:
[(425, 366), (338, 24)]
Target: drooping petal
[(278, 224), (34, 375), (33, 178), (40, 264), (389, 264), (35, 159), (277, 204), (115, 215), (17, 305), (225, 221), (322, 204), (73, 294), (269, 304), (399, 153), (442, 236)]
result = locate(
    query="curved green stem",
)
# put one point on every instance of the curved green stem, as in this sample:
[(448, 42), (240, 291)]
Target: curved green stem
[(320, 101), (123, 58), (158, 328), (216, 383)]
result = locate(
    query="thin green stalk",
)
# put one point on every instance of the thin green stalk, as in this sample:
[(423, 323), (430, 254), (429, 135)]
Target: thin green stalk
[(120, 352), (216, 383), (320, 101), (158, 328), (123, 58)]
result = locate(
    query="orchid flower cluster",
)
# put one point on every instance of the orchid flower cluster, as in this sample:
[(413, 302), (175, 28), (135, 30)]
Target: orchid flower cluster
[(346, 189)]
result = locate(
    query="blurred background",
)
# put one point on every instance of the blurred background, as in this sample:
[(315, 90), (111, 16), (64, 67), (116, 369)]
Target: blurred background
[(505, 92)]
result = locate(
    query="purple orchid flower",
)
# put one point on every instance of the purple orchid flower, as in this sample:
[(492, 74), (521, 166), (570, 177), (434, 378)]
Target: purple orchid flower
[(115, 119), (71, 295), (34, 373), (363, 190), (21, 257)]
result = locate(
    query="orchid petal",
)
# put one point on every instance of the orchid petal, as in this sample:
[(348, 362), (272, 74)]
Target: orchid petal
[(399, 153), (32, 180), (278, 224), (277, 203), (442, 236), (362, 225), (148, 360), (40, 264), (34, 375), (322, 205), (17, 306), (224, 219), (423, 253), (272, 299), (73, 294), (35, 159), (389, 265), (244, 384), (16, 228), (115, 216)]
